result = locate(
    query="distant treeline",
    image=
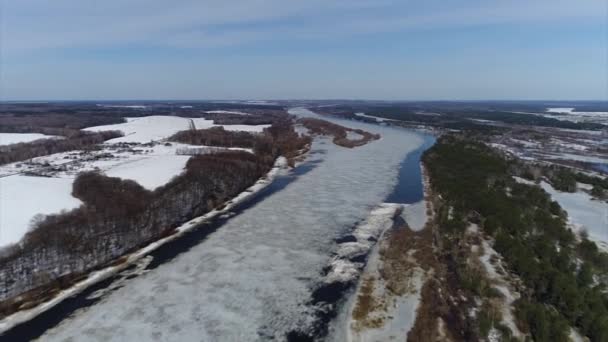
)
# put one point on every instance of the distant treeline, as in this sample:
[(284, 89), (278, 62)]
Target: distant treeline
[(77, 140), (118, 216), (563, 275), (250, 117), (459, 116), (52, 123), (340, 133), (216, 136)]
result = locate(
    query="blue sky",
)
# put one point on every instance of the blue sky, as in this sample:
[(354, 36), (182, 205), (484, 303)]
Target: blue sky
[(281, 49)]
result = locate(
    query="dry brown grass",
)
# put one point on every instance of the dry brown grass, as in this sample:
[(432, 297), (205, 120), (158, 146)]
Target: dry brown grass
[(369, 309)]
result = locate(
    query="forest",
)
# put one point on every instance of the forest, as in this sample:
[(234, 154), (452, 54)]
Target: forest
[(563, 274), (119, 216)]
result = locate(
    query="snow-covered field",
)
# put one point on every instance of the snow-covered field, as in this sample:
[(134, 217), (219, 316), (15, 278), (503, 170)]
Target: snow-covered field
[(584, 158), (151, 166), (573, 112), (584, 213), (22, 197), (159, 127), (14, 138), (122, 106), (150, 172), (251, 279), (571, 115), (226, 112)]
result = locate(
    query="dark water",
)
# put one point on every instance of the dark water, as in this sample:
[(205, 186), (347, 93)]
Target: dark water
[(600, 167), (409, 187)]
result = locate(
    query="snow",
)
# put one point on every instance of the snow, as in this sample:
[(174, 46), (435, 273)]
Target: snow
[(571, 111), (370, 117), (150, 166), (159, 127), (122, 106), (14, 138), (151, 172), (253, 277), (571, 115), (366, 233), (226, 112), (586, 158), (502, 285), (415, 215), (146, 129), (399, 314), (353, 135), (583, 212), (569, 145), (526, 143), (560, 110), (524, 181), (22, 197)]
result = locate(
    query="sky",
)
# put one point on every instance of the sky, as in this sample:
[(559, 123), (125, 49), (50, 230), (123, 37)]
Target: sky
[(304, 49)]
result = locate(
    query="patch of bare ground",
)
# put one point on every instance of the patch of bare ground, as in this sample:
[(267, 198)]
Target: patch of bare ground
[(368, 302)]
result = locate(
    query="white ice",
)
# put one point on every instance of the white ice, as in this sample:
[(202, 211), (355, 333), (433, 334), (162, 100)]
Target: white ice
[(415, 215), (251, 278)]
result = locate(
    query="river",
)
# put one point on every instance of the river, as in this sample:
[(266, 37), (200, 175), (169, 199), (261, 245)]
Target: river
[(250, 276)]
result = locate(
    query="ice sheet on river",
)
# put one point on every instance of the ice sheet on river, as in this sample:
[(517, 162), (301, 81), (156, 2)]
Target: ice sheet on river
[(250, 279)]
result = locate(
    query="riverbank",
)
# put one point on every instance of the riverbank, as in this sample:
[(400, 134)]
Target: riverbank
[(47, 302), (387, 297)]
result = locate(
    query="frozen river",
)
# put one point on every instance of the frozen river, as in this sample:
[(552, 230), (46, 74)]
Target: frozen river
[(252, 278)]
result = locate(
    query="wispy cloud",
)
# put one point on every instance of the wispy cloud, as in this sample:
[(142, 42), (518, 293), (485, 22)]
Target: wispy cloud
[(36, 24)]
